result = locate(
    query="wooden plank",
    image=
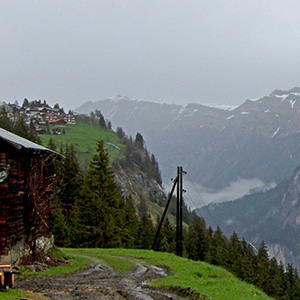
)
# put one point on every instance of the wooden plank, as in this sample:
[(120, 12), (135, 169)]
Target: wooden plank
[(4, 185)]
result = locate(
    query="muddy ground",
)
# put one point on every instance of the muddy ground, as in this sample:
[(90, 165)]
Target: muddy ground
[(100, 281)]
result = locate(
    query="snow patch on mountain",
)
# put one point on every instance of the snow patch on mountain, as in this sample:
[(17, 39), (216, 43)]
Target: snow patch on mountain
[(221, 106), (275, 132), (230, 117), (292, 103)]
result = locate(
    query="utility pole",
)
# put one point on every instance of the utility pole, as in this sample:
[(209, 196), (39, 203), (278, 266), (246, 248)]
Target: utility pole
[(179, 237), (165, 212), (179, 231)]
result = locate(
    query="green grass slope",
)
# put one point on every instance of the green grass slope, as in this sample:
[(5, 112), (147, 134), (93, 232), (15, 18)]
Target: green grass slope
[(213, 282), (85, 136)]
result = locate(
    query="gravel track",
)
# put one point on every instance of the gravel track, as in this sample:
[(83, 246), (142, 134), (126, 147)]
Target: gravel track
[(99, 281)]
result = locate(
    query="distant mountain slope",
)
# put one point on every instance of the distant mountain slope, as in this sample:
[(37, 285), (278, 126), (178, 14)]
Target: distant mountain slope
[(258, 139), (133, 165), (272, 216)]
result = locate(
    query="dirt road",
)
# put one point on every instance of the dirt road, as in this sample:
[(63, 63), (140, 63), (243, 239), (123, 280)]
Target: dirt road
[(100, 281)]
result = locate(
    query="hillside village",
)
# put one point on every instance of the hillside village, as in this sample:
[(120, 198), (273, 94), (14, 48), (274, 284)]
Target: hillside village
[(40, 115)]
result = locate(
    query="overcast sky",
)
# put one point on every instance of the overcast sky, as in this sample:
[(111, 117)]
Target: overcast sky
[(221, 52)]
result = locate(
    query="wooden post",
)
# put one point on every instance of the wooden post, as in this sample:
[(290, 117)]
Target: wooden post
[(164, 214), (179, 233)]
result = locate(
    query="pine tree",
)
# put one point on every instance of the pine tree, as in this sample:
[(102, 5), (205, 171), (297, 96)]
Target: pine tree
[(276, 279), (234, 254), (102, 122), (145, 232), (129, 223), (120, 133), (248, 271), (67, 187), (5, 122), (209, 246), (195, 241), (21, 128), (219, 248), (167, 238), (139, 140), (32, 135), (263, 262), (25, 103), (98, 205)]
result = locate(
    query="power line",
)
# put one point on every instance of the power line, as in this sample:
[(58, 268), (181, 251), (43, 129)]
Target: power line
[(205, 204)]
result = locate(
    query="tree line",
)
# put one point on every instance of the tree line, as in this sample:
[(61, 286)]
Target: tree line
[(19, 127), (242, 259), (88, 210)]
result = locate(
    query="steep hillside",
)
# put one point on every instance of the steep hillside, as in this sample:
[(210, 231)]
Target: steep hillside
[(258, 139), (272, 216), (137, 175)]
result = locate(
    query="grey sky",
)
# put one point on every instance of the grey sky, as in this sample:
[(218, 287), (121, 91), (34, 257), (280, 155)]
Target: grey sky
[(167, 51)]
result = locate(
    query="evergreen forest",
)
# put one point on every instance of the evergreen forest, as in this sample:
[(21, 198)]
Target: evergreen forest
[(90, 210)]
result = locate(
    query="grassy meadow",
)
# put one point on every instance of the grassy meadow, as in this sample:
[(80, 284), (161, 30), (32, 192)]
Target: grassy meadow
[(85, 137)]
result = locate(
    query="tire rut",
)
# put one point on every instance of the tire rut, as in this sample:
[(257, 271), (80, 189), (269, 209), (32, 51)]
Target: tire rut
[(100, 281)]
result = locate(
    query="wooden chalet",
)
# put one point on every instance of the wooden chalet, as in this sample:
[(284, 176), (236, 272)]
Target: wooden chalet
[(58, 122), (26, 174)]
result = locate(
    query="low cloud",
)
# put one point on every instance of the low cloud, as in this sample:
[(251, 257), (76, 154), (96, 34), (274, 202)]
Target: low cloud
[(197, 196)]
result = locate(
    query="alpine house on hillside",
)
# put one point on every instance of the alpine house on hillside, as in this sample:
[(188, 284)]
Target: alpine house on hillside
[(26, 174)]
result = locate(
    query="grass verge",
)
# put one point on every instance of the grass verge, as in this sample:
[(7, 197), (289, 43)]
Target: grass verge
[(214, 282)]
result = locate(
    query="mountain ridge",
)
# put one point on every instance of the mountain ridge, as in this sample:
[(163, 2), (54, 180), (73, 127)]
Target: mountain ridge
[(258, 139)]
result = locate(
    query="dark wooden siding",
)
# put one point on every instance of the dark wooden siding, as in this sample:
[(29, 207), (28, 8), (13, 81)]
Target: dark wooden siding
[(24, 196)]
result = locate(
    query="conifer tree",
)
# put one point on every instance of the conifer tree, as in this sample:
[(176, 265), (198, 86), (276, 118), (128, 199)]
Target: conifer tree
[(102, 122), (219, 248), (5, 122), (25, 103), (120, 133), (145, 232), (276, 280), (129, 223), (66, 190), (98, 205), (234, 254), (209, 246), (292, 289), (166, 241), (21, 128), (248, 271), (195, 241), (139, 140), (263, 278)]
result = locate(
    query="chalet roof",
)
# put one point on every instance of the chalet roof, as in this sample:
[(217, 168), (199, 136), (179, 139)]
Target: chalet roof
[(19, 142)]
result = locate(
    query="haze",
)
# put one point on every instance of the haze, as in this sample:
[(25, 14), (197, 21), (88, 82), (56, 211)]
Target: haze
[(221, 52)]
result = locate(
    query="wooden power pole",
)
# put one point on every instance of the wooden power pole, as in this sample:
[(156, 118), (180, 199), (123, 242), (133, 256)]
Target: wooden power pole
[(179, 237), (179, 232)]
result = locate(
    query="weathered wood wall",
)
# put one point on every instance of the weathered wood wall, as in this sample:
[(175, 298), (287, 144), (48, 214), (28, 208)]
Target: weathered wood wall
[(24, 196), (12, 194)]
